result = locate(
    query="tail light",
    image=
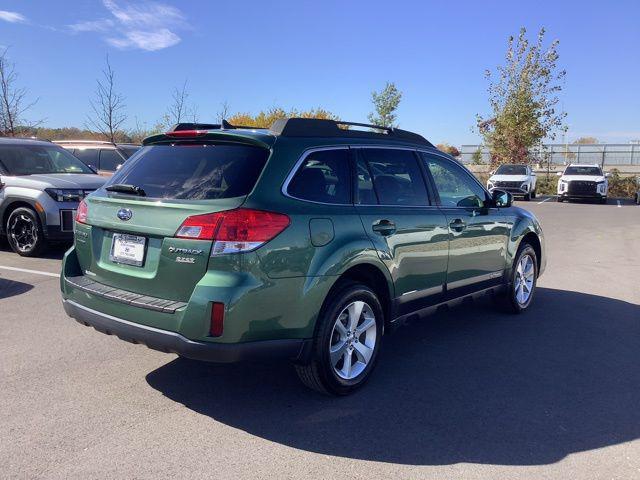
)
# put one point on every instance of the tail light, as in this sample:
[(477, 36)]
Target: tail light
[(81, 212), (234, 231), (217, 319)]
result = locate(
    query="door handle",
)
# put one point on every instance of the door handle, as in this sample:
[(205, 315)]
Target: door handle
[(457, 225), (384, 227)]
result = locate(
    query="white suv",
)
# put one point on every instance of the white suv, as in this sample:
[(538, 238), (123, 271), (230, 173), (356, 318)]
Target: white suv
[(515, 179), (580, 181)]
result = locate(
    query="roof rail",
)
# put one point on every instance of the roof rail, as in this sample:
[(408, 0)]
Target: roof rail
[(315, 127)]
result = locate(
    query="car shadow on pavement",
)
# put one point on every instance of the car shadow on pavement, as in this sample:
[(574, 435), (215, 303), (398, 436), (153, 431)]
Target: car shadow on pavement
[(55, 251), (11, 288), (466, 385)]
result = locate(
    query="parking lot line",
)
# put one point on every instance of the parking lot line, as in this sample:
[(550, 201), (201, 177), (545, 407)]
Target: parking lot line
[(545, 200), (26, 270)]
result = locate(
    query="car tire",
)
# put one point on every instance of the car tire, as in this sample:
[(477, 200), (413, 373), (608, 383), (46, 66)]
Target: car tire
[(533, 194), (24, 232), (603, 200), (523, 278), (527, 197), (345, 349), (559, 199)]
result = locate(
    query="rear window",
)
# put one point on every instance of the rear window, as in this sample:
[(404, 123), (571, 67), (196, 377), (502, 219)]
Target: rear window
[(193, 172)]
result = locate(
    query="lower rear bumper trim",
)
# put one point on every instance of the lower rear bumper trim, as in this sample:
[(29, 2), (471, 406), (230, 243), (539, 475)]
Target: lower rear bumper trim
[(172, 342)]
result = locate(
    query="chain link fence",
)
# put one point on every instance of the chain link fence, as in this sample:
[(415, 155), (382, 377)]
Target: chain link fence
[(604, 154)]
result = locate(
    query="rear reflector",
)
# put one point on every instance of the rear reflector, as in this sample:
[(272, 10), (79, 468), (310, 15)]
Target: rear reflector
[(234, 231), (186, 133), (81, 213), (217, 319)]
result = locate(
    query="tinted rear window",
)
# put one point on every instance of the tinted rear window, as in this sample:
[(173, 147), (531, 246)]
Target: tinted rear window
[(194, 172)]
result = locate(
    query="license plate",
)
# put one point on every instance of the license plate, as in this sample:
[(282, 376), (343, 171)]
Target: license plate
[(128, 249)]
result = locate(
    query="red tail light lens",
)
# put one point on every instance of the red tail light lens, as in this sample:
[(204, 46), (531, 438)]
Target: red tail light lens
[(237, 230), (186, 133), (81, 212), (217, 319)]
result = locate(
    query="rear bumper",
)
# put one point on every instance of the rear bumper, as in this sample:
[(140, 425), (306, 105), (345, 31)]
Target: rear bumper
[(172, 342)]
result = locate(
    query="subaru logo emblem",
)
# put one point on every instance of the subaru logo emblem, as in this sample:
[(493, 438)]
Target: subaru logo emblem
[(125, 214)]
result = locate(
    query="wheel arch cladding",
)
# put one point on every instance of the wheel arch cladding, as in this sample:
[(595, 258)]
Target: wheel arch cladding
[(12, 203), (532, 239), (370, 275)]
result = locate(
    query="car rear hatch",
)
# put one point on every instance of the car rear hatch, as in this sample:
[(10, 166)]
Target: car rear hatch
[(129, 238)]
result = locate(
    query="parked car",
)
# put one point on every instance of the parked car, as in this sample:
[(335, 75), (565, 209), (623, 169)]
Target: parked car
[(40, 187), (513, 178), (581, 181), (307, 241), (104, 157)]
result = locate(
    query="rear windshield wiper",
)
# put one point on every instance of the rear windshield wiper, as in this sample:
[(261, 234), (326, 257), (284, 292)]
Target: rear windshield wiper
[(126, 188)]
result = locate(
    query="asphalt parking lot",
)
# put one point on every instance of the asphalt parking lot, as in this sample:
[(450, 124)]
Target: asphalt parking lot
[(468, 393)]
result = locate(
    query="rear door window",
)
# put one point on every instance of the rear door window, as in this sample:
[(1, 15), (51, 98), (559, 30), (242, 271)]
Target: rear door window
[(324, 177), (109, 160), (194, 171), (88, 156), (397, 178)]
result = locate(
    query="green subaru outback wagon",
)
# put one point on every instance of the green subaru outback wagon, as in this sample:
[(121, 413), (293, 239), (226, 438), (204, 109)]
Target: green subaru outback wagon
[(307, 241)]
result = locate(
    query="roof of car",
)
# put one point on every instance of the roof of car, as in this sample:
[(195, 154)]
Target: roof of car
[(23, 141), (289, 128)]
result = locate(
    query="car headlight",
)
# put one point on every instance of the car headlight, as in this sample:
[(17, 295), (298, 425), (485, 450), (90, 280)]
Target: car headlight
[(65, 194), (524, 186), (489, 186)]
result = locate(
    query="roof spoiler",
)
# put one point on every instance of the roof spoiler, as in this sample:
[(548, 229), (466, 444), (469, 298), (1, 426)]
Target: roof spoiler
[(224, 125)]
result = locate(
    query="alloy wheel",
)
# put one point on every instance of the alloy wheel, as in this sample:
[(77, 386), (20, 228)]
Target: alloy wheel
[(23, 232), (524, 279), (353, 340)]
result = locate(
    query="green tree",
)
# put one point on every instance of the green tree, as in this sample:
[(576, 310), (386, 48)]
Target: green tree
[(385, 103), (523, 96), (476, 156)]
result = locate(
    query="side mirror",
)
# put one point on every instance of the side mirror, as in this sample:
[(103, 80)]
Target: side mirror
[(501, 199), (607, 174), (559, 174)]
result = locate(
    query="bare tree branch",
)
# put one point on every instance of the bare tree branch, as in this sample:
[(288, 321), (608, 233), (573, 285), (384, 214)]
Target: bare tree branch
[(108, 106), (224, 112), (13, 100)]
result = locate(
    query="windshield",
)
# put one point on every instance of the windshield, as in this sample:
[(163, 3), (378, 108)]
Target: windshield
[(39, 159), (193, 172), (511, 170), (583, 171)]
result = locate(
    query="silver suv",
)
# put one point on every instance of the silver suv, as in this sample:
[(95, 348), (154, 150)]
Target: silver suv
[(40, 187)]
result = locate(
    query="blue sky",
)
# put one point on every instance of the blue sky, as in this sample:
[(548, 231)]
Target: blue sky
[(328, 54)]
